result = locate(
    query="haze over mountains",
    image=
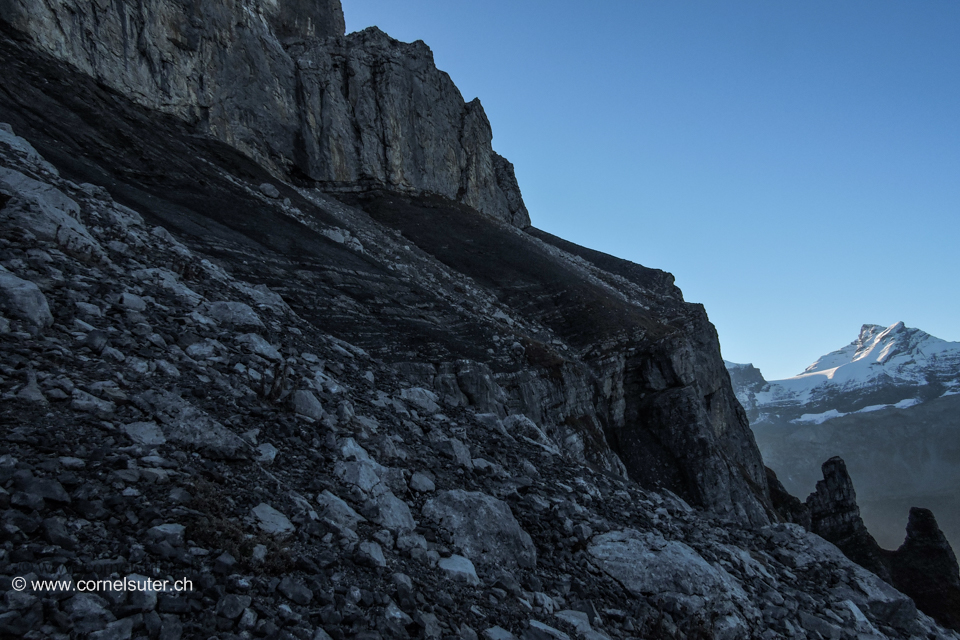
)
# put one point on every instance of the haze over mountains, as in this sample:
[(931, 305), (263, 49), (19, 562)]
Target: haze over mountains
[(887, 403)]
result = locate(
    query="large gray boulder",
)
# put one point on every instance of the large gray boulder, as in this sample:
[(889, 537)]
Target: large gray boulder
[(185, 424), (648, 564), (23, 299), (233, 313), (483, 527), (46, 212)]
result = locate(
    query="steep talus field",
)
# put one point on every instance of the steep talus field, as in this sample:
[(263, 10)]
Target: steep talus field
[(446, 312), (273, 320)]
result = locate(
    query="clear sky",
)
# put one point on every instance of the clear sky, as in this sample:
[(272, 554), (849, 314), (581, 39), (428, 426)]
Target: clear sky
[(796, 165)]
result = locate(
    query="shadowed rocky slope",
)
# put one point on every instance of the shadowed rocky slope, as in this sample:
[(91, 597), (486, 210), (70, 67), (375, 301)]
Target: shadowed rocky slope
[(618, 367), (166, 418), (400, 412)]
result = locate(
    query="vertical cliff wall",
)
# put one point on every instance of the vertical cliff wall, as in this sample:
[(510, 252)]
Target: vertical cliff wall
[(280, 82)]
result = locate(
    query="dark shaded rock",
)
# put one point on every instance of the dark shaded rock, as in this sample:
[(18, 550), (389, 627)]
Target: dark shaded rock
[(788, 507), (925, 568), (835, 516)]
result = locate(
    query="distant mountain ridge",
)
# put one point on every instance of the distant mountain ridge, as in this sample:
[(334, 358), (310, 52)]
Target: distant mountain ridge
[(895, 366), (888, 403)]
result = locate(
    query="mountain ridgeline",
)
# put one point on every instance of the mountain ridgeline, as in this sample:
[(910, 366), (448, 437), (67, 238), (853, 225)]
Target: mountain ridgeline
[(888, 404), (273, 317)]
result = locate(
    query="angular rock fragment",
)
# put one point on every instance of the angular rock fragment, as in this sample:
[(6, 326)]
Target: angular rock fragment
[(232, 313), (483, 527), (272, 521), (459, 568), (23, 299)]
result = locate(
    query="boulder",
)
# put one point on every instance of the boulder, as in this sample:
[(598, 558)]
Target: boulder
[(185, 424), (422, 399), (23, 299), (394, 513), (483, 527), (460, 569), (306, 404), (233, 313), (648, 564), (272, 521)]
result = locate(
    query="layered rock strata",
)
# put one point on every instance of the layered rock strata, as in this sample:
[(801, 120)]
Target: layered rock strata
[(604, 356), (280, 82)]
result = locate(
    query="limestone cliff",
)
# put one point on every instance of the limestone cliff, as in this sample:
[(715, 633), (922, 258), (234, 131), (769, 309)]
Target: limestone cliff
[(281, 83)]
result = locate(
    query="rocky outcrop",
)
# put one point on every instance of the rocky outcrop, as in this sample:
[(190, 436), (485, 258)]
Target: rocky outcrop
[(835, 516), (281, 83), (377, 112), (924, 567)]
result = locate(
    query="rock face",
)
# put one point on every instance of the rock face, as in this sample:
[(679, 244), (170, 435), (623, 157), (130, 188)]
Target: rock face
[(925, 568), (281, 83), (835, 516)]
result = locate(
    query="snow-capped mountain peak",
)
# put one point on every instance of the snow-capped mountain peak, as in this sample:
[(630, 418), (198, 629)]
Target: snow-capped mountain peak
[(884, 366)]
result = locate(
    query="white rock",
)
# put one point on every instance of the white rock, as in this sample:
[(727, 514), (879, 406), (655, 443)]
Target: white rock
[(132, 301), (483, 527), (360, 473), (578, 619), (421, 398), (459, 568), (371, 553), (647, 563), (272, 521), (394, 513), (145, 433), (268, 453), (269, 190), (47, 213), (498, 633), (336, 510), (23, 299), (306, 404), (549, 631), (259, 346), (422, 482), (233, 313)]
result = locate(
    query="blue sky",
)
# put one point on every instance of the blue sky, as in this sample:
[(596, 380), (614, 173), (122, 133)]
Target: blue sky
[(795, 165)]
